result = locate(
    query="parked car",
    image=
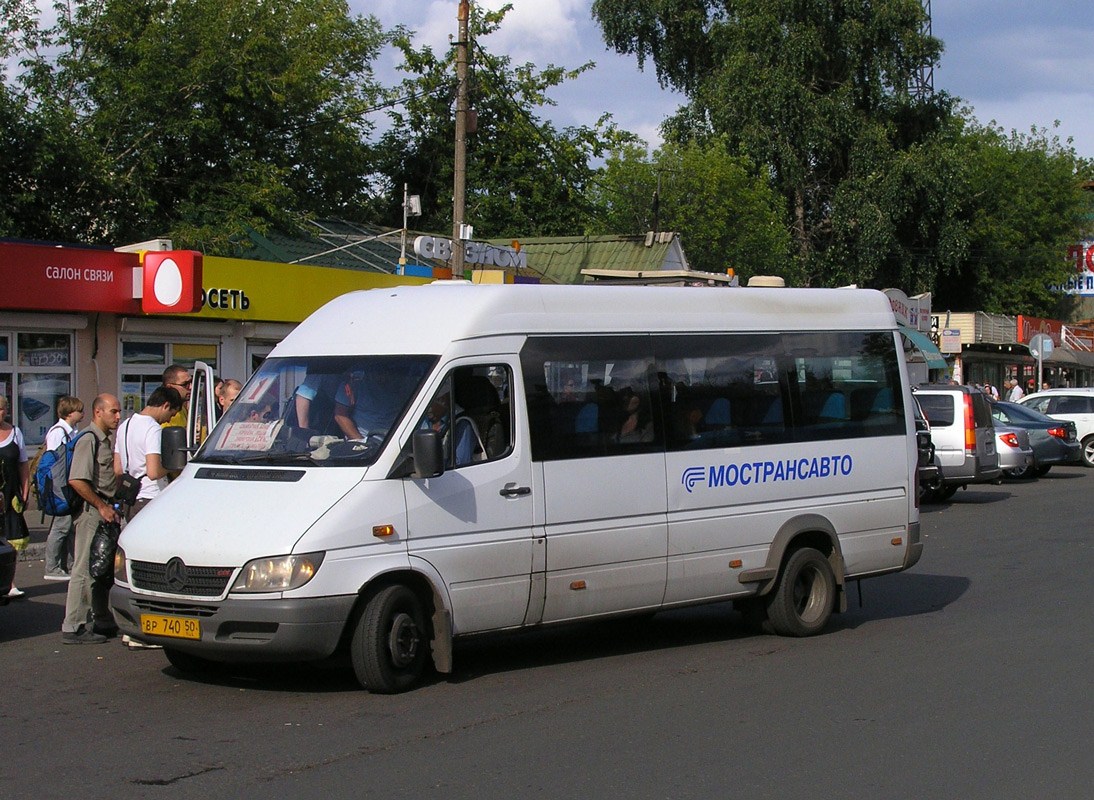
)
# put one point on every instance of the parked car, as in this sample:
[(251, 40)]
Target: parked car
[(7, 569), (1073, 405), (963, 435), (1053, 440), (1015, 451), (927, 471)]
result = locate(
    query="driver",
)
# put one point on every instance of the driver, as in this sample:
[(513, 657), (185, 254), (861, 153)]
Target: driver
[(366, 404)]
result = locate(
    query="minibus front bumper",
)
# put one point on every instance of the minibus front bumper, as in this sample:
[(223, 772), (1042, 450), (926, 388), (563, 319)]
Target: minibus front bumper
[(298, 629)]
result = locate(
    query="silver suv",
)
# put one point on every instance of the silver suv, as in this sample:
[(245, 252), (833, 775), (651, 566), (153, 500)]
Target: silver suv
[(963, 434), (1072, 405)]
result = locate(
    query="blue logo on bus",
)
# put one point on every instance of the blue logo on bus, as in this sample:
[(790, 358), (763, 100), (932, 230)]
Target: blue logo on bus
[(749, 472), (692, 476)]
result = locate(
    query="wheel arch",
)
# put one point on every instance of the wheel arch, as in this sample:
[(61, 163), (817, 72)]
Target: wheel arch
[(433, 595), (804, 530)]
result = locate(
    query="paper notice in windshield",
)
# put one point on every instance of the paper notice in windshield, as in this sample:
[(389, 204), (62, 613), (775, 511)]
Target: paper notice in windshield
[(248, 436)]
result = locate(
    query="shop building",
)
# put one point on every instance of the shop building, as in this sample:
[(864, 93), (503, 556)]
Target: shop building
[(992, 348), (73, 321)]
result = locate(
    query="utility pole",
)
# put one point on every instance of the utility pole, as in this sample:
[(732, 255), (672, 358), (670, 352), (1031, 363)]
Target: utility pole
[(460, 163)]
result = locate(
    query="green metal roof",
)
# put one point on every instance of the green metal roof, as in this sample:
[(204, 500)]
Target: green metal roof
[(560, 259), (551, 259), (328, 243)]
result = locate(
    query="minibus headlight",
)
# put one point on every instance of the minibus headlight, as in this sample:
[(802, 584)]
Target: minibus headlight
[(121, 575), (278, 573)]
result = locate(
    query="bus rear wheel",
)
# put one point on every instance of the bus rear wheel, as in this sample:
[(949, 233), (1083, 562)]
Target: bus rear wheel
[(390, 642), (802, 603)]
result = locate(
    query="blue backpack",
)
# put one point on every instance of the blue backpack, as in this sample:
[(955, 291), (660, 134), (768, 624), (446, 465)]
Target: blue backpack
[(55, 496)]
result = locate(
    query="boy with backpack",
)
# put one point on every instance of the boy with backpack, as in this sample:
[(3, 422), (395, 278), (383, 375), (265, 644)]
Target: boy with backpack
[(59, 542)]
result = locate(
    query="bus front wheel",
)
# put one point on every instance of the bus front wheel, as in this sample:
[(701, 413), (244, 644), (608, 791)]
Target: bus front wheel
[(390, 643), (802, 603)]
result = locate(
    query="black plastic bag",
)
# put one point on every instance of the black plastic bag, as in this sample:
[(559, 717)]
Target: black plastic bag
[(103, 544)]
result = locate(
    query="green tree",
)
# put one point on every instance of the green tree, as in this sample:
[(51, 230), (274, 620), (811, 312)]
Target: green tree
[(199, 119), (812, 91), (524, 175), (727, 215), (1023, 204)]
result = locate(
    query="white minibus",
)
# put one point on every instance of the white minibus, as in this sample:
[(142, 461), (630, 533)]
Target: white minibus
[(417, 464)]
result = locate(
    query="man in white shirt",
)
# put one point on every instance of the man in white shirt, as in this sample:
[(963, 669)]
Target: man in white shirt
[(137, 445), (1016, 392), (61, 538)]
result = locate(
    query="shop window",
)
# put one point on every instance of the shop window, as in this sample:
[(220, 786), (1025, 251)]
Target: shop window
[(143, 363), (144, 353), (45, 350), (38, 396), (37, 371)]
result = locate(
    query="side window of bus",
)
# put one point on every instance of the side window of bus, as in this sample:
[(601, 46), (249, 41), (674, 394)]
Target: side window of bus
[(471, 410), (846, 385), (589, 397), (721, 391)]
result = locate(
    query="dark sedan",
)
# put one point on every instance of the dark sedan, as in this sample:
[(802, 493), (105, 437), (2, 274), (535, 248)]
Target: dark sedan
[(1053, 441)]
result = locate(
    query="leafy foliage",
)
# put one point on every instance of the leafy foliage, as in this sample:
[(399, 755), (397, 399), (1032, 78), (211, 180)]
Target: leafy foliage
[(879, 187), (726, 214), (524, 176), (200, 118)]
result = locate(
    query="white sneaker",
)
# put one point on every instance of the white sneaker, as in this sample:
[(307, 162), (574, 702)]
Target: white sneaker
[(13, 592)]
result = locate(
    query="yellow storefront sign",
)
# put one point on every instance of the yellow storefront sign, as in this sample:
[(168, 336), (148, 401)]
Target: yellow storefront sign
[(235, 288)]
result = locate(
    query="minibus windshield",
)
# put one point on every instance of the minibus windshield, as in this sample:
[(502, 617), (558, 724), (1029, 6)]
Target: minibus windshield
[(322, 410)]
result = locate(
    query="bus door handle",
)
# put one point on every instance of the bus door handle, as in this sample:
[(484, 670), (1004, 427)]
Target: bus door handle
[(512, 490)]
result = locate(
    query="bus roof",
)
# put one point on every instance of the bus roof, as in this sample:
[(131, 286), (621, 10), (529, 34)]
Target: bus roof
[(426, 319)]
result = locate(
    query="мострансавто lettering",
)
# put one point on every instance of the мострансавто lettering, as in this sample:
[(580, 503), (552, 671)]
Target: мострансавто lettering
[(752, 472)]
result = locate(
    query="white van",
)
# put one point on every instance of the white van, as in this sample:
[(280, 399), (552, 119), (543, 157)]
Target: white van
[(416, 464)]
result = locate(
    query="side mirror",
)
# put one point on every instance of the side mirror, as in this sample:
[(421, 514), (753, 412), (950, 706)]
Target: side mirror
[(428, 454), (173, 448)]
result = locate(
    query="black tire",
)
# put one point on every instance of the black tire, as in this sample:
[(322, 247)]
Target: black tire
[(189, 664), (1041, 471), (945, 493), (929, 491), (1021, 473), (802, 603), (1088, 451), (391, 642)]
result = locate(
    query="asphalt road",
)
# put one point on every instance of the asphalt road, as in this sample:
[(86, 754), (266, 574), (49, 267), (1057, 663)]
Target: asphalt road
[(967, 677)]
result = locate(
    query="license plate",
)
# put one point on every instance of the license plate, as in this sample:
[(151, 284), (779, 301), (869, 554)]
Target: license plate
[(177, 627)]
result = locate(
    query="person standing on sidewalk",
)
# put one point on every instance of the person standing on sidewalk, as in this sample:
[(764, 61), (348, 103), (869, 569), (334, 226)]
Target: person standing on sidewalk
[(14, 486), (178, 378), (87, 610), (137, 445), (70, 411)]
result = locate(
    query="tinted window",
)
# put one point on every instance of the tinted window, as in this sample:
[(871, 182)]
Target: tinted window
[(590, 396), (938, 408), (612, 395), (476, 400), (1068, 404)]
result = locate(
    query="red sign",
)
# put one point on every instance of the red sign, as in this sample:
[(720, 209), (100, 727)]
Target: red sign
[(172, 282), (43, 278), (1028, 327)]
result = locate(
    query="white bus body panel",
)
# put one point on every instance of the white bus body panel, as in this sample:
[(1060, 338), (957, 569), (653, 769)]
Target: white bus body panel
[(592, 536)]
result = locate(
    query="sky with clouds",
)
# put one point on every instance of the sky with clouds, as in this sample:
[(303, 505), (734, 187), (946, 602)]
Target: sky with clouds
[(1015, 62)]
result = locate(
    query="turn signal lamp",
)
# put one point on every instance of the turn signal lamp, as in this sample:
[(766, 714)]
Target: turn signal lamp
[(383, 531)]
